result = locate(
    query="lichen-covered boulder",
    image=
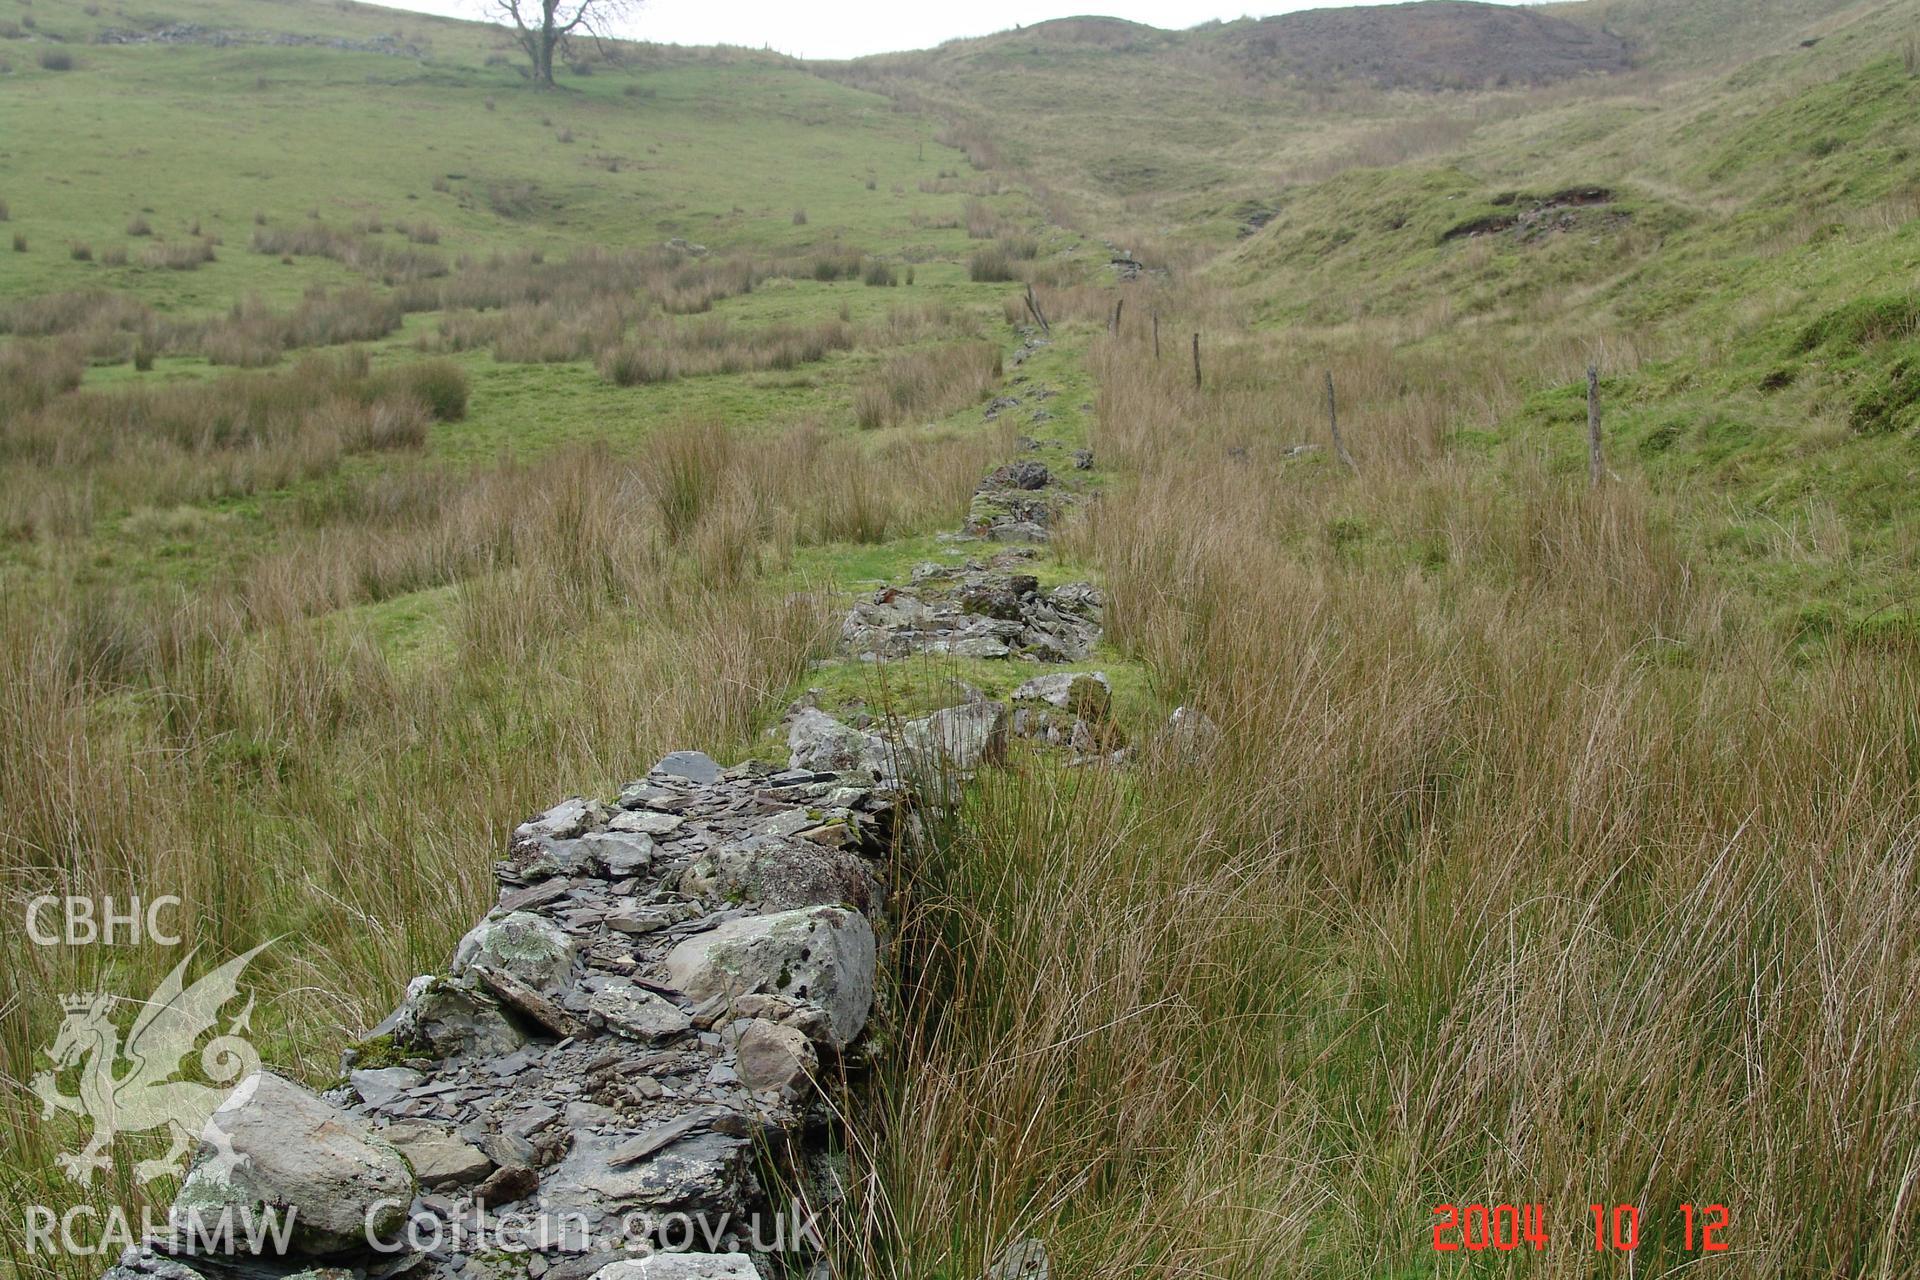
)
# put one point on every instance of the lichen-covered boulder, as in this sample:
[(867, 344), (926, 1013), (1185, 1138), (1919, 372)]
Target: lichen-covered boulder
[(823, 956), (815, 740), (530, 947)]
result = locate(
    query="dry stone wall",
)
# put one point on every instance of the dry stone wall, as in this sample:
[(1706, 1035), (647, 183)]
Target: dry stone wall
[(644, 1039), (637, 1065)]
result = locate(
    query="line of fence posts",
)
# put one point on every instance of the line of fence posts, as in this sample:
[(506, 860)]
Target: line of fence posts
[(1596, 457)]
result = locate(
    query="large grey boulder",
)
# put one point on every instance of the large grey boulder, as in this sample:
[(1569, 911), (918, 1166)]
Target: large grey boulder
[(1190, 734), (1024, 474), (274, 1146), (780, 873), (620, 853), (562, 822), (530, 947), (1024, 1259), (140, 1262), (820, 955), (382, 1086), (816, 741), (696, 767), (1087, 694), (957, 739)]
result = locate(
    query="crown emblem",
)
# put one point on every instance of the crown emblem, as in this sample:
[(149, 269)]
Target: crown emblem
[(145, 1096)]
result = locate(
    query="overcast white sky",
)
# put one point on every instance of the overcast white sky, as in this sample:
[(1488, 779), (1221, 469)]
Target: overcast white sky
[(849, 28)]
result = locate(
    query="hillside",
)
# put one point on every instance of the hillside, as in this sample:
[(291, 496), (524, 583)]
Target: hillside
[(1454, 44), (1410, 812)]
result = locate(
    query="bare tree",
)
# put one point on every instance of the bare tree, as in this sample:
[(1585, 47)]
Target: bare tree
[(544, 27)]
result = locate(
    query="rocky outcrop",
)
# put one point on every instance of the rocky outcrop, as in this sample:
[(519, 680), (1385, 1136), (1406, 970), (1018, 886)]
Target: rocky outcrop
[(649, 1028)]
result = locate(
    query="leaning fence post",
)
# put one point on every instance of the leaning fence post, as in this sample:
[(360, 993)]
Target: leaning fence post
[(1196, 362), (1156, 337), (1033, 305), (1118, 308), (1333, 427), (1596, 463)]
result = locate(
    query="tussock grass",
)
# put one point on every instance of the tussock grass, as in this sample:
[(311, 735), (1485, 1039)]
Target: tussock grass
[(596, 611), (67, 453), (836, 264), (927, 384), (1529, 865), (664, 351), (981, 220), (539, 332), (632, 365), (76, 311), (34, 373), (253, 334), (981, 150), (179, 255), (918, 321), (388, 263), (991, 265)]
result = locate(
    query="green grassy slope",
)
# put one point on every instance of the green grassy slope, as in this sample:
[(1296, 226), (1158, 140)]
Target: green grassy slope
[(719, 149), (1758, 258), (1178, 138), (189, 134)]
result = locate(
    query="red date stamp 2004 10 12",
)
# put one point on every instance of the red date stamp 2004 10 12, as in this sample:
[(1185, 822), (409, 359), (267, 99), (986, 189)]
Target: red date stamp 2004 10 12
[(1616, 1227)]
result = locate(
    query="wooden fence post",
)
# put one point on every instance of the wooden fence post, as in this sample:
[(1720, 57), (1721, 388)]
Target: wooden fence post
[(1596, 463), (1156, 337), (1196, 362), (1333, 427), (1118, 308)]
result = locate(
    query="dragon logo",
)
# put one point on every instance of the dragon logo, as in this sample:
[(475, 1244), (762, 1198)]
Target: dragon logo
[(145, 1096)]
